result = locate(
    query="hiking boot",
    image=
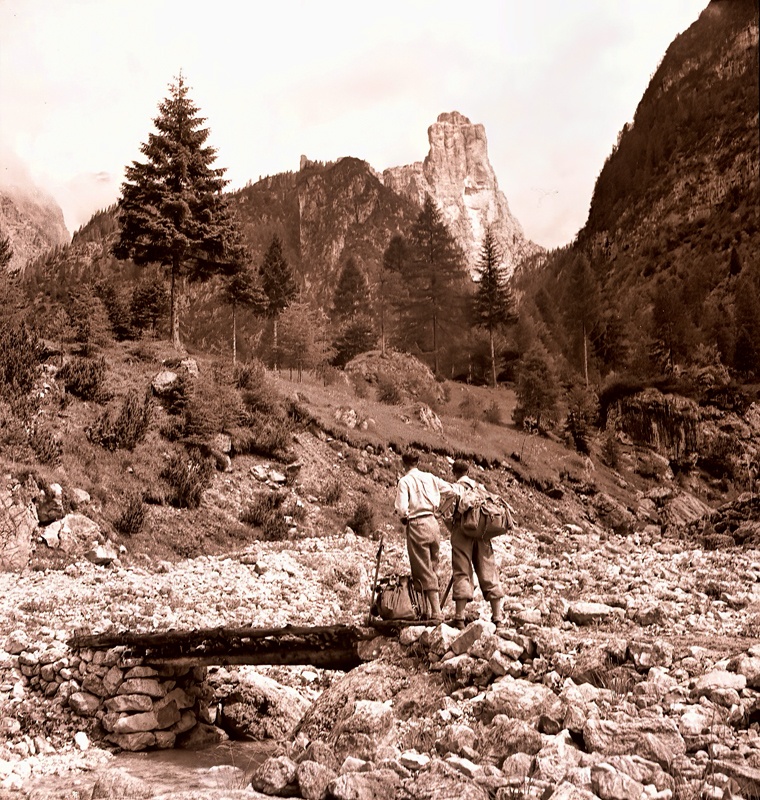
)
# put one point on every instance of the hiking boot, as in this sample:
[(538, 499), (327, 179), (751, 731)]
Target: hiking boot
[(458, 623), (501, 626)]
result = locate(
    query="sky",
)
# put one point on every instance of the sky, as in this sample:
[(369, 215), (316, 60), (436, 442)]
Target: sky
[(552, 82)]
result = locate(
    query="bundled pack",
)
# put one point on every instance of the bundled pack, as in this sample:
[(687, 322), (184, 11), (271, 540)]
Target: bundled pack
[(397, 598)]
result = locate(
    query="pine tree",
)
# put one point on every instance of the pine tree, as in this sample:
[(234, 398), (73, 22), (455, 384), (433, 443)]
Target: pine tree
[(494, 301), (150, 302), (583, 307), (171, 210), (243, 289), (6, 251), (351, 295), (435, 278), (304, 338), (537, 387), (395, 258), (278, 285), (356, 336)]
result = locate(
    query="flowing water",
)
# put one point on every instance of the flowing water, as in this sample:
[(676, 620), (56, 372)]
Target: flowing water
[(221, 767)]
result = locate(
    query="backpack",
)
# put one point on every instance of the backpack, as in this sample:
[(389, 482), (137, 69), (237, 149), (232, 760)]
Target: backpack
[(483, 515), (397, 598)]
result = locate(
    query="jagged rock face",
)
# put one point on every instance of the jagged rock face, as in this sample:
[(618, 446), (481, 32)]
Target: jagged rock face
[(33, 222), (457, 174)]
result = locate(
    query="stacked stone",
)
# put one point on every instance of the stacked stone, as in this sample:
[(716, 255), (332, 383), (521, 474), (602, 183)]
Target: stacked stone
[(129, 703)]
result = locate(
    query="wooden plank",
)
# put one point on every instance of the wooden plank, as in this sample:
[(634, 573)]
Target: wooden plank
[(161, 638), (343, 659)]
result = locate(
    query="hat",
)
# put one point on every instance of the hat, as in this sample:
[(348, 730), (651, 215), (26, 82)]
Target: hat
[(460, 467)]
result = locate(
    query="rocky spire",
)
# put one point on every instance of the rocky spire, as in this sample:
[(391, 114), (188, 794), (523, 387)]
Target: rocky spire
[(460, 178)]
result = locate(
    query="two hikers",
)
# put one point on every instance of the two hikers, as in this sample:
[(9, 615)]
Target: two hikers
[(419, 495)]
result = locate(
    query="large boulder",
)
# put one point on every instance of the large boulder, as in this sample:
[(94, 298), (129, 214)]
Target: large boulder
[(377, 681), (18, 523), (260, 708)]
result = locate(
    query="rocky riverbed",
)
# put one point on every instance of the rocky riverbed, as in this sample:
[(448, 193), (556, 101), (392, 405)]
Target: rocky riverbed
[(630, 668)]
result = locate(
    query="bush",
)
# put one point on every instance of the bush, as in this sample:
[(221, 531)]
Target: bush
[(46, 447), (492, 413), (388, 390), (261, 508), (20, 353), (274, 529), (468, 408), (188, 477), (362, 521), (132, 518), (178, 395), (611, 450), (85, 378), (332, 492), (129, 427), (266, 436)]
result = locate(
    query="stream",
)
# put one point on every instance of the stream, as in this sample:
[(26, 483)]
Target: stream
[(224, 766)]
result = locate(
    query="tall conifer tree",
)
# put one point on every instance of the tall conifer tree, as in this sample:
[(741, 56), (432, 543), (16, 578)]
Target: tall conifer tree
[(171, 210), (435, 279), (494, 301), (278, 284)]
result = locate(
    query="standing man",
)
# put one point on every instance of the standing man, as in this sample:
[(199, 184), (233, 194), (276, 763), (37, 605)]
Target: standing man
[(418, 495), (467, 553)]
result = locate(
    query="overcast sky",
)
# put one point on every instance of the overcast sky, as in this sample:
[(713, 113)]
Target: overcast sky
[(552, 81)]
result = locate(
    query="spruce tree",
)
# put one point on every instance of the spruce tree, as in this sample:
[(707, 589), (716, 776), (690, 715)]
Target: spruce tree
[(6, 251), (435, 279), (583, 307), (494, 301), (395, 259), (351, 295), (243, 289), (171, 210), (278, 285)]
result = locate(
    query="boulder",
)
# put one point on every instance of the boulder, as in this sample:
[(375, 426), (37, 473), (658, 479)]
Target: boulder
[(18, 523), (651, 738), (368, 725), (518, 698), (260, 708)]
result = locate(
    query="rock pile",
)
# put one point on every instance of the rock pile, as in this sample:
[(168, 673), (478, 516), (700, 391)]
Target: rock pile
[(523, 712)]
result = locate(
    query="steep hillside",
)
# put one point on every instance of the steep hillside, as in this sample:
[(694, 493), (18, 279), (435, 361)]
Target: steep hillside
[(670, 250), (33, 222), (324, 214)]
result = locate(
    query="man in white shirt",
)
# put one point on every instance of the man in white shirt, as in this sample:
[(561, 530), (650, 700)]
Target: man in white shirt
[(418, 495)]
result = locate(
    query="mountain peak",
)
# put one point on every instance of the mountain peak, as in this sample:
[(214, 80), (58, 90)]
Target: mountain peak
[(454, 118)]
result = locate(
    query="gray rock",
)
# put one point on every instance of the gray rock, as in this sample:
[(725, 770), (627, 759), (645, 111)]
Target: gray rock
[(260, 708), (313, 780), (116, 784), (381, 784), (517, 698), (651, 738), (276, 776)]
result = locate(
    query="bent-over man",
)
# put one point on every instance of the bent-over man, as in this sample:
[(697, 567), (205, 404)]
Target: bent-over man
[(467, 553)]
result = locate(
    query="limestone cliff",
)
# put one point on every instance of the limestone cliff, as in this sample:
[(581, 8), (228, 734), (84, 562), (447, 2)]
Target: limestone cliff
[(33, 222), (458, 175)]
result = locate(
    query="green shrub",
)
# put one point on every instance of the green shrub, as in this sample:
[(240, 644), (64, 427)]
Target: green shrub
[(362, 521), (85, 378), (133, 515), (332, 491), (188, 477), (20, 353), (178, 395), (263, 435), (261, 508), (388, 390), (128, 428), (492, 413), (46, 447), (274, 529)]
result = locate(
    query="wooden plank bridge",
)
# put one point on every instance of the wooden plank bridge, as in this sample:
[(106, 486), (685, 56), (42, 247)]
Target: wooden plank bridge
[(340, 647)]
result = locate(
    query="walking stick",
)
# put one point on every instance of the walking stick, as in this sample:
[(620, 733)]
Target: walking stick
[(374, 582), (446, 593)]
